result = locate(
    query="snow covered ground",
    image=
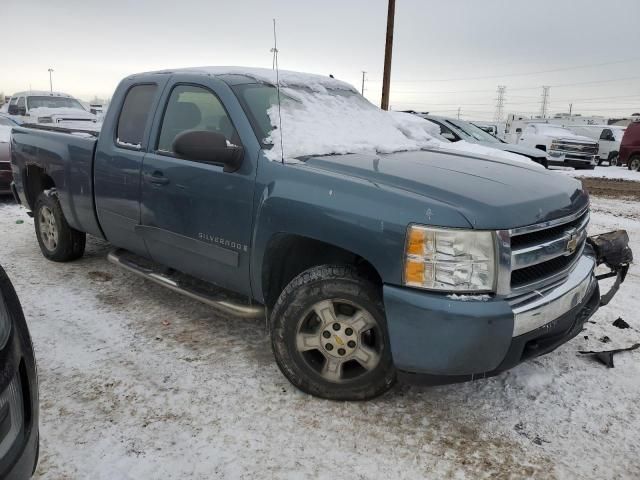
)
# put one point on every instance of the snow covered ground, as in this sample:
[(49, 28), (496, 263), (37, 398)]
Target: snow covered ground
[(621, 173), (139, 382)]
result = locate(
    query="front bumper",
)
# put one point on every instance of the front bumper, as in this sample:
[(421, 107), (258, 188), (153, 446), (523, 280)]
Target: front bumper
[(438, 339), (558, 157)]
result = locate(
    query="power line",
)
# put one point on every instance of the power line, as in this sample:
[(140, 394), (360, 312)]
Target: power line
[(564, 69)]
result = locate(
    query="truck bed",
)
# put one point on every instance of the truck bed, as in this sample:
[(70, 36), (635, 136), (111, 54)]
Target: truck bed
[(65, 155)]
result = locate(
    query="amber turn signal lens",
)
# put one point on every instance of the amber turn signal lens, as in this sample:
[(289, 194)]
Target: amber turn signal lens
[(415, 242), (414, 272)]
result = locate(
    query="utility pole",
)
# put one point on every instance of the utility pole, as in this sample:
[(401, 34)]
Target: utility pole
[(570, 109), (459, 112), (363, 79), (500, 103), (50, 80), (388, 49), (544, 106)]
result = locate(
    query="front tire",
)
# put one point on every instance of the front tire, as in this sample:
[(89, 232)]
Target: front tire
[(634, 163), (58, 241), (329, 335)]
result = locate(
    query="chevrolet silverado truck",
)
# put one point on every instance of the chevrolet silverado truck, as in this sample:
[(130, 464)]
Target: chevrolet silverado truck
[(372, 256), (564, 147)]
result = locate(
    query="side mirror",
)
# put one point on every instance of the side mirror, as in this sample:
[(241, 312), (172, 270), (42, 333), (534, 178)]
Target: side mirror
[(209, 147), (449, 136)]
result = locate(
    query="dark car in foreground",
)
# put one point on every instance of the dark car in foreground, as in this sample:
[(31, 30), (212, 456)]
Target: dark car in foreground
[(6, 124), (373, 252), (455, 130), (18, 389)]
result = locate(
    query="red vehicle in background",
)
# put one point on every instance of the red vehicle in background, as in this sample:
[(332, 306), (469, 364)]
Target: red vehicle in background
[(630, 147)]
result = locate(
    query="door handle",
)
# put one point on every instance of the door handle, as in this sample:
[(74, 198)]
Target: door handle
[(157, 178)]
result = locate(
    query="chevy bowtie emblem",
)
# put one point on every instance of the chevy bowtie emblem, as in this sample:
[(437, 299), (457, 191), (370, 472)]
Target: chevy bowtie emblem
[(572, 244), (339, 341)]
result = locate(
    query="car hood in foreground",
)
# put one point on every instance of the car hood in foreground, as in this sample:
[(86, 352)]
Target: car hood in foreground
[(490, 193)]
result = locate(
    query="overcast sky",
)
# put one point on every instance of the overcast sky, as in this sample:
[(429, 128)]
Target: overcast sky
[(443, 50)]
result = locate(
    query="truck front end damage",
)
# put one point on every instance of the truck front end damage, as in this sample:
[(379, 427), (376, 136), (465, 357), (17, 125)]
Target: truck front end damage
[(545, 288)]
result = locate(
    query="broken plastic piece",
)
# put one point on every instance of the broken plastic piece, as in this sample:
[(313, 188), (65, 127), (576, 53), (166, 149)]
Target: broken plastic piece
[(620, 323), (606, 357)]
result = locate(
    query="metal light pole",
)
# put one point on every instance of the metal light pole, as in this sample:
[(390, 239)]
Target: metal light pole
[(363, 79), (388, 49), (50, 80)]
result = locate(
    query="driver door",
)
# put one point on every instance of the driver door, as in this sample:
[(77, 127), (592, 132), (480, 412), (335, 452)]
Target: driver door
[(195, 217)]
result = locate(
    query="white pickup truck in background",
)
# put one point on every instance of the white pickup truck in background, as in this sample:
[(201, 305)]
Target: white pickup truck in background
[(47, 107), (608, 137), (562, 145)]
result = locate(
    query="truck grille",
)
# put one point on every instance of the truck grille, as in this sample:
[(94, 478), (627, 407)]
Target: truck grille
[(545, 253), (577, 148)]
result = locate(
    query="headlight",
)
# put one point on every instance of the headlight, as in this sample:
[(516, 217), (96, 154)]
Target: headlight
[(45, 120), (449, 259), (5, 322)]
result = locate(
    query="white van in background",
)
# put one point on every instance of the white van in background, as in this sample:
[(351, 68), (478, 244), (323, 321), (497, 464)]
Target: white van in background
[(607, 136)]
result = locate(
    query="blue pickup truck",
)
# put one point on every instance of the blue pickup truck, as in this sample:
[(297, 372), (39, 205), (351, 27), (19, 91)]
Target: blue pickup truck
[(373, 257)]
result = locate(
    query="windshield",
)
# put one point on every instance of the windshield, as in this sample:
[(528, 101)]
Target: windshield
[(324, 121), (52, 102), (475, 132)]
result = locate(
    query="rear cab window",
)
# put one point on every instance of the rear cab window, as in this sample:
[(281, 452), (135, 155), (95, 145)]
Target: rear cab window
[(134, 116)]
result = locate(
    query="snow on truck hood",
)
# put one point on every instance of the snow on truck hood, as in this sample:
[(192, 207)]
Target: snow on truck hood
[(61, 112), (321, 115)]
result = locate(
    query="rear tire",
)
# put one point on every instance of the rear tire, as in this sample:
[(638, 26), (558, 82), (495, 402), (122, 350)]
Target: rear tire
[(634, 163), (613, 159), (329, 335), (58, 241)]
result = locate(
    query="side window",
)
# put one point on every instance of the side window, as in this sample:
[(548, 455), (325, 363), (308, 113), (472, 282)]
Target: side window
[(446, 132), (606, 134), (20, 102), (134, 115), (194, 108), (13, 100)]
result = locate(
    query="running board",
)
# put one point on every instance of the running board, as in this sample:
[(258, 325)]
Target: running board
[(216, 297)]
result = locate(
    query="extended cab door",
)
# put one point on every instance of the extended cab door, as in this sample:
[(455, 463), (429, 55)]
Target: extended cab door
[(118, 160), (195, 217)]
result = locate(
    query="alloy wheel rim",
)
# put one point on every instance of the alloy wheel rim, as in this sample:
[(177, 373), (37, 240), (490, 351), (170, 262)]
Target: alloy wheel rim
[(339, 339), (635, 164), (48, 228)]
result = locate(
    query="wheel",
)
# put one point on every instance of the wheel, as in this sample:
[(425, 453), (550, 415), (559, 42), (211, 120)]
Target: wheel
[(613, 159), (58, 241), (329, 335), (634, 163)]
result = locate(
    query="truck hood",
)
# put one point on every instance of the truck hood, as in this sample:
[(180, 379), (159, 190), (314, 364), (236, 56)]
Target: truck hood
[(61, 114), (489, 193), (519, 149)]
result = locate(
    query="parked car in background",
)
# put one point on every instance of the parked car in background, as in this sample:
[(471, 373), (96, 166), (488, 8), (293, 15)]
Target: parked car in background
[(6, 125), (372, 255), (19, 436), (48, 108), (563, 146), (455, 130), (608, 138), (630, 147)]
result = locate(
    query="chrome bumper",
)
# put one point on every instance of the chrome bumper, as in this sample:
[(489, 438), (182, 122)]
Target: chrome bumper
[(557, 302)]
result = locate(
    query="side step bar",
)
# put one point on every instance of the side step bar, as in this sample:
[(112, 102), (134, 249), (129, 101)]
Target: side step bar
[(216, 297)]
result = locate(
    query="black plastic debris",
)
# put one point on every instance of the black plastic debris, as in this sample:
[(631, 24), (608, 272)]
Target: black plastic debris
[(605, 339), (620, 323), (606, 357)]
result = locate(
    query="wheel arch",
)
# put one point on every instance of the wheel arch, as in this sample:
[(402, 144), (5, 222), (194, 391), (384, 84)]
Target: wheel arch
[(36, 181), (287, 255)]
